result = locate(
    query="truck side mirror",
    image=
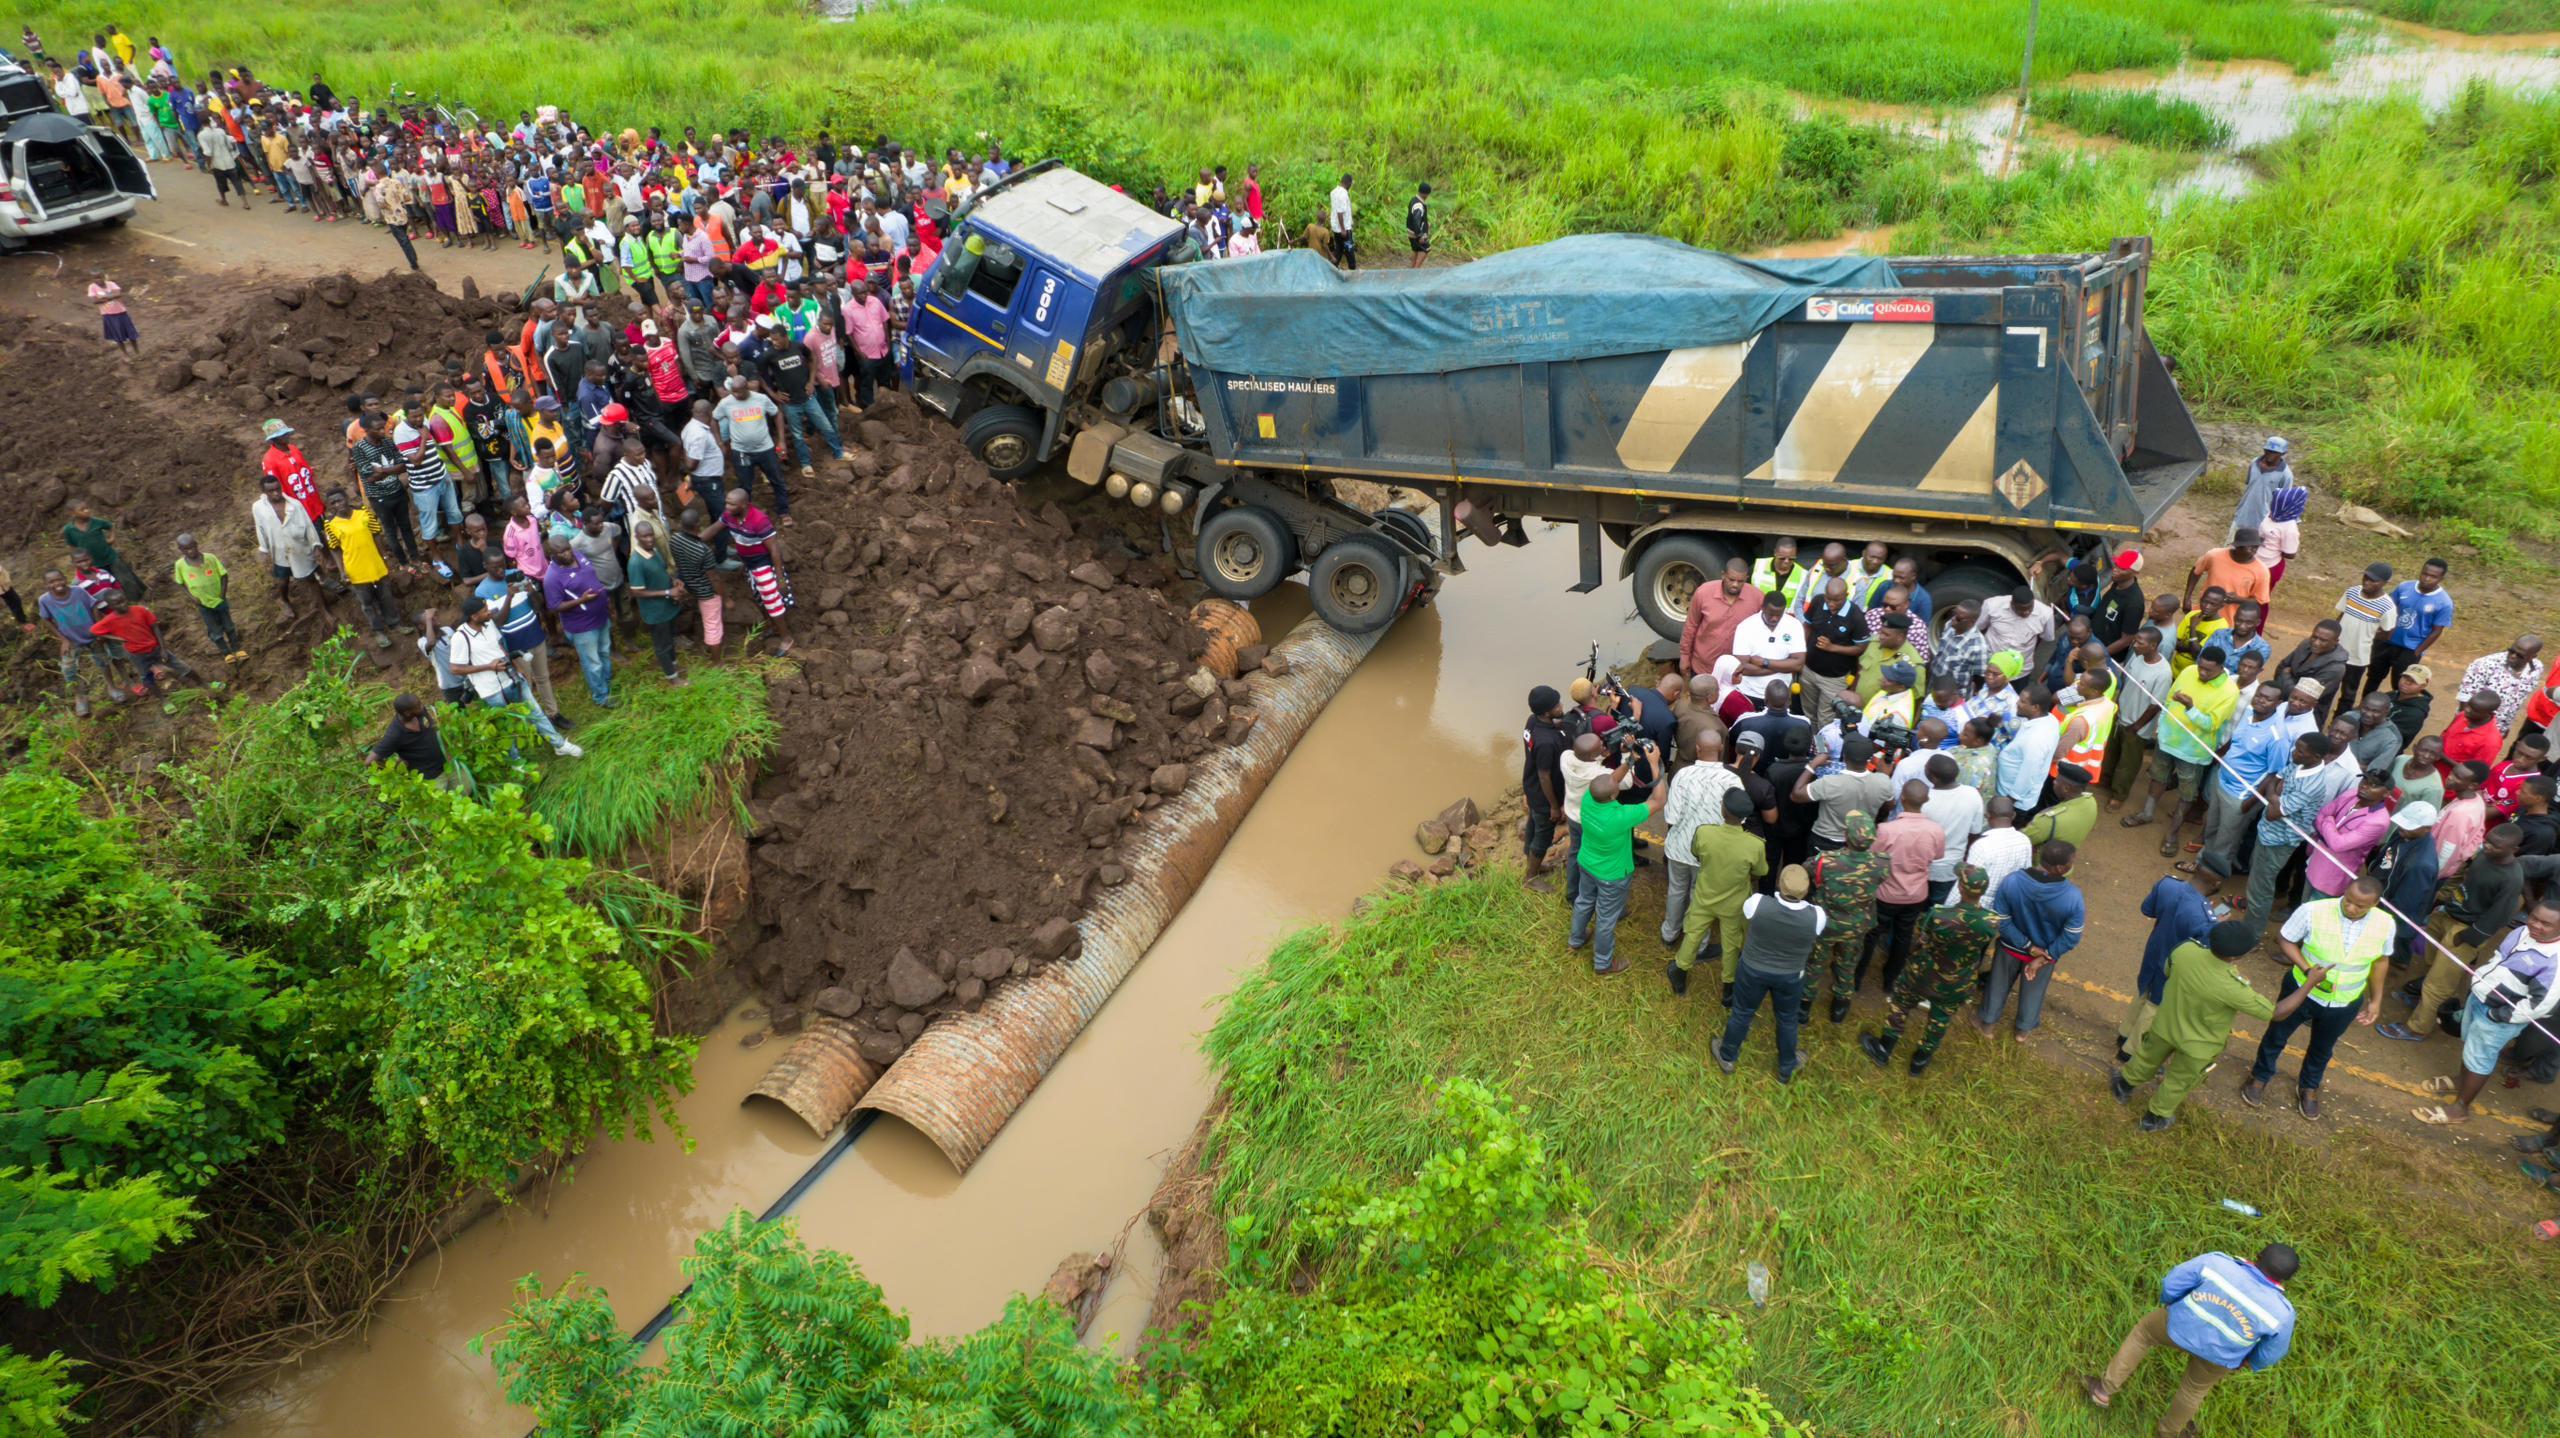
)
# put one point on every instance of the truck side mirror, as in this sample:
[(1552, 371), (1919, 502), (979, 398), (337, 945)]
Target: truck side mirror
[(938, 211)]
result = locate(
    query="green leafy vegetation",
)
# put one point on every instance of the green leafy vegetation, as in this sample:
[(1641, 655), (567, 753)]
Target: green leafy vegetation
[(661, 751), (775, 1338), (1944, 1253), (1465, 1299), (1526, 125), (2135, 115)]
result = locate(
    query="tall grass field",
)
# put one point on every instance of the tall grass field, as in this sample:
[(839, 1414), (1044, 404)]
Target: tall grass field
[(1529, 121), (1945, 1253), (2478, 17)]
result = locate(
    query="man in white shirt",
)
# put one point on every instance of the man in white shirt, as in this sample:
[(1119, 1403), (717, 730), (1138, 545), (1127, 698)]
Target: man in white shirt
[(1338, 217), (66, 88), (477, 655), (1587, 760), (2146, 679), (702, 456), (1694, 799), (2002, 848), (1770, 643), (2021, 625), (1958, 809)]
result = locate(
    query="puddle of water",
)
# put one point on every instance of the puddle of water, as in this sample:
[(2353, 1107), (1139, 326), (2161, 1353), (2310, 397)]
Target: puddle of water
[(1434, 714)]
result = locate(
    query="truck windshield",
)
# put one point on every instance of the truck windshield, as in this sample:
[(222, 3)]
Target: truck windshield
[(984, 266)]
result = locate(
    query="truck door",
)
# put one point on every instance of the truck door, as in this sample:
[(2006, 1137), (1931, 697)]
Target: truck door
[(977, 287), (125, 170)]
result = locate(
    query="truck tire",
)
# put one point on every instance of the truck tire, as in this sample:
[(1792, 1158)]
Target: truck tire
[(1357, 583), (1959, 582), (1414, 526), (1245, 552), (1668, 568), (1005, 438)]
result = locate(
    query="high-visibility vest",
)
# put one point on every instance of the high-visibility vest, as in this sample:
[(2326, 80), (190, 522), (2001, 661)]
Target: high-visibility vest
[(666, 251), (1764, 577), (2350, 964), (506, 375), (577, 253), (459, 449), (1903, 707), (2090, 752)]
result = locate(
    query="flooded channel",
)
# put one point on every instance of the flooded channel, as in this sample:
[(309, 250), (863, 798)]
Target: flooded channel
[(1434, 714)]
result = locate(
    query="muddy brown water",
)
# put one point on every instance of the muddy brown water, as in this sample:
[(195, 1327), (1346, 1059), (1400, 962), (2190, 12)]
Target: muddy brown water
[(1434, 714)]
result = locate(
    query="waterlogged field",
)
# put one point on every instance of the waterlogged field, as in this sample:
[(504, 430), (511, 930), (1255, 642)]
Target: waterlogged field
[(1945, 1255)]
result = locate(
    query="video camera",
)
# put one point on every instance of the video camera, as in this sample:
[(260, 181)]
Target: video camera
[(1624, 739), (1892, 737)]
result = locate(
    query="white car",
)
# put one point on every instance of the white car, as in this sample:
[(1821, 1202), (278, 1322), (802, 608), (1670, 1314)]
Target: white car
[(56, 173)]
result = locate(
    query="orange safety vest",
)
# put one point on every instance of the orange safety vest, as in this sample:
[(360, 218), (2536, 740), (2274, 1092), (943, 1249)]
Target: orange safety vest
[(2090, 752), (721, 249), (533, 371), (506, 377)]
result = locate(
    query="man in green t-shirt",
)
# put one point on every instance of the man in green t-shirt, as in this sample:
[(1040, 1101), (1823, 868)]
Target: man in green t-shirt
[(2073, 812), (1607, 855), (87, 533), (652, 582), (2205, 993), (1731, 861)]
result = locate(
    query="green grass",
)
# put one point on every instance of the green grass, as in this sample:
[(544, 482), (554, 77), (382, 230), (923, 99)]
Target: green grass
[(1945, 1253), (2477, 17), (2134, 115), (656, 755), (1528, 122), (2384, 294)]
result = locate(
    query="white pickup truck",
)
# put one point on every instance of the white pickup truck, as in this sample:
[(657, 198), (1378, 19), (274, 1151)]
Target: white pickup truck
[(57, 174)]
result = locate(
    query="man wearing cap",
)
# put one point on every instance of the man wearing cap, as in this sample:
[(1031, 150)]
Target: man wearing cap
[(1950, 946), (2407, 867), (1844, 882), (1543, 742), (1782, 929), (2270, 471), (1769, 644), (284, 463), (1716, 610), (2121, 606), (1893, 701), (2202, 993), (1730, 862), (2335, 946), (2073, 812)]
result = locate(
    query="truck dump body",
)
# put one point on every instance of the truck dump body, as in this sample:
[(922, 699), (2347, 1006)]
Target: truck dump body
[(2015, 392)]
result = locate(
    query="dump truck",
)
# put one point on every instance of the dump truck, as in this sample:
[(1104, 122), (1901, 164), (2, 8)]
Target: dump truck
[(1683, 406)]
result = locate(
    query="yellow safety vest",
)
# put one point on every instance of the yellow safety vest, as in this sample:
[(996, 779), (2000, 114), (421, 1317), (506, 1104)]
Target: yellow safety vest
[(1764, 577), (2350, 965), (2091, 752), (1904, 707), (466, 455)]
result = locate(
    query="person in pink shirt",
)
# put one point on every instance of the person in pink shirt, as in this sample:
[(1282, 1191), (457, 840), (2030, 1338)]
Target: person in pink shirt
[(866, 324), (1716, 609), (1909, 843), (2463, 824), (2349, 827)]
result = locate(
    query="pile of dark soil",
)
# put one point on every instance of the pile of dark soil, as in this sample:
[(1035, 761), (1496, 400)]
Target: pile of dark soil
[(299, 349), (989, 694)]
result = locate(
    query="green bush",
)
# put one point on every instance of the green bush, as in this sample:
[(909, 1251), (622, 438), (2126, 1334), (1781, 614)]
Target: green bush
[(1465, 1300), (774, 1338)]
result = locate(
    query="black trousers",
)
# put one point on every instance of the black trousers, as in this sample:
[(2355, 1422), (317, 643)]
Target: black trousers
[(400, 237), (1894, 926), (2390, 661), (2328, 1025), (662, 642)]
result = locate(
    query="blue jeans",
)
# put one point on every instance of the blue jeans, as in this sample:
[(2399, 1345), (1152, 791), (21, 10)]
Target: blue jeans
[(701, 291), (2328, 1025), (1786, 996), (804, 414), (595, 660), (437, 508), (2005, 969), (1606, 901), (288, 189), (2483, 1038)]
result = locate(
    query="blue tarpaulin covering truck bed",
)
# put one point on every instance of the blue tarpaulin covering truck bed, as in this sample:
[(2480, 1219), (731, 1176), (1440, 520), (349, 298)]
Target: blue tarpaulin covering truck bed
[(1586, 297)]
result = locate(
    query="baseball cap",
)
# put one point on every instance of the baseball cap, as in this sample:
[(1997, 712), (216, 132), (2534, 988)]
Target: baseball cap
[(2377, 570), (2276, 445), (1899, 673), (2413, 817), (649, 329), (612, 414), (2129, 560), (548, 404), (768, 322)]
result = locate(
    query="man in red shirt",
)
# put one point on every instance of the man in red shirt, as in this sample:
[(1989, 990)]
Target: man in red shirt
[(284, 464), (138, 630), (1716, 609), (2506, 779), (1909, 843), (2474, 734)]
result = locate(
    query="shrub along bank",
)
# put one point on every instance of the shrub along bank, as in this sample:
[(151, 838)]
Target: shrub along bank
[(322, 1001), (1944, 1254)]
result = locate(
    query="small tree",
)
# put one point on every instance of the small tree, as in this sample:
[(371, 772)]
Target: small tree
[(774, 1338)]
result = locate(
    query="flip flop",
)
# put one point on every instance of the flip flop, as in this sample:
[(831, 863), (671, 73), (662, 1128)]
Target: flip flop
[(2135, 821), (2168, 848), (2183, 866), (2195, 846), (2438, 1085), (2539, 1173), (2441, 1117)]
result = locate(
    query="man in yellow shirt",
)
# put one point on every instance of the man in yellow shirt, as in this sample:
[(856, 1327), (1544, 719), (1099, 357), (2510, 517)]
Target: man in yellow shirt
[(2195, 717), (357, 537)]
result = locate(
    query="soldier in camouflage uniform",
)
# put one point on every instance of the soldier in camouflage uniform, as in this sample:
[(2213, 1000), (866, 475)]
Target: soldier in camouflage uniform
[(1845, 881), (1953, 940)]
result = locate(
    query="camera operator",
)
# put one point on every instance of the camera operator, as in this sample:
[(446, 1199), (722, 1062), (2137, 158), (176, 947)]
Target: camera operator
[(1544, 743), (1605, 857), (1839, 787)]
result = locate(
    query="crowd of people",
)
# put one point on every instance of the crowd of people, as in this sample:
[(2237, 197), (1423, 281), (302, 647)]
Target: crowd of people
[(1843, 770)]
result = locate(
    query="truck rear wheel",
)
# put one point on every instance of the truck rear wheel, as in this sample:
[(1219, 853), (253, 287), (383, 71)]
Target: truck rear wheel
[(1668, 571), (1357, 583), (1245, 552), (1959, 582), (1005, 438)]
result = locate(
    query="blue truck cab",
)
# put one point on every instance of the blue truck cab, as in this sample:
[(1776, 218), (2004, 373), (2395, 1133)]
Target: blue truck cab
[(1043, 282)]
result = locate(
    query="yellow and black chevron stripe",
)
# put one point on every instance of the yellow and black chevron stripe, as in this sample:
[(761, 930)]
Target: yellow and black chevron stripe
[(1886, 406)]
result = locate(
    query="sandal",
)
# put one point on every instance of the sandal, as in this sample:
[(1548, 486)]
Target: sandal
[(2183, 866), (2441, 1117), (2168, 848), (2439, 1084), (2543, 1115)]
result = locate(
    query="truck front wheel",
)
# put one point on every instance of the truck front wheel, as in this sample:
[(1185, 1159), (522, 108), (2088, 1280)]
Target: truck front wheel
[(1005, 438), (1244, 552), (1669, 570), (1357, 583)]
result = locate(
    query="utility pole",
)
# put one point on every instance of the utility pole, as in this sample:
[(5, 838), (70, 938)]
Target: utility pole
[(2026, 82)]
